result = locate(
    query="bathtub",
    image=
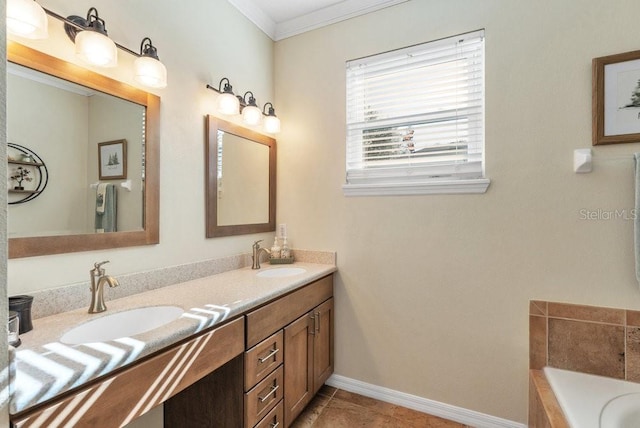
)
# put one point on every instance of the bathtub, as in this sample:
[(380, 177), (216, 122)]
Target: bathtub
[(590, 401)]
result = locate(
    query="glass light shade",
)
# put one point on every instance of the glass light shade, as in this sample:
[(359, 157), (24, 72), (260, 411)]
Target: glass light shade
[(271, 124), (26, 18), (228, 104), (150, 72), (96, 49), (251, 115)]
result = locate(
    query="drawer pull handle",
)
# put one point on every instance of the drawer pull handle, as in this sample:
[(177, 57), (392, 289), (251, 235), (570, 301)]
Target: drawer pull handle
[(268, 357), (274, 388), (316, 323), (275, 425)]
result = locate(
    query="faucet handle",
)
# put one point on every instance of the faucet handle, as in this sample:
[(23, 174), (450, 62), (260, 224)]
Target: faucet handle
[(96, 266), (257, 243)]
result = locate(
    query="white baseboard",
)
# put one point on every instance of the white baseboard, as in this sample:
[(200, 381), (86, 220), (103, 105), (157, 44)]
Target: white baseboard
[(435, 408)]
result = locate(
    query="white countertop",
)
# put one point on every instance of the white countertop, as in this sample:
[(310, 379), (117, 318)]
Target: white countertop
[(43, 367)]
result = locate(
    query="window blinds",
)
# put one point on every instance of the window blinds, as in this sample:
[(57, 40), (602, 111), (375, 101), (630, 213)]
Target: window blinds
[(417, 114)]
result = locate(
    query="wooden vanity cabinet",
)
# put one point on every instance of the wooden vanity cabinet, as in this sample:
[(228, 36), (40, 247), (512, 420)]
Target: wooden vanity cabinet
[(116, 399), (308, 356), (304, 319)]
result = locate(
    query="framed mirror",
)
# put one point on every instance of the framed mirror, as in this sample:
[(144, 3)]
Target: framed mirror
[(240, 180), (105, 112)]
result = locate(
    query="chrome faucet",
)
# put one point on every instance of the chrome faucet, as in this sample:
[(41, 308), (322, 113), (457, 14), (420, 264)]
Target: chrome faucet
[(257, 252), (98, 278)]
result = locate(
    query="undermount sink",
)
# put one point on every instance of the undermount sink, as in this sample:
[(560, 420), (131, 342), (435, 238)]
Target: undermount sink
[(280, 272), (122, 324)]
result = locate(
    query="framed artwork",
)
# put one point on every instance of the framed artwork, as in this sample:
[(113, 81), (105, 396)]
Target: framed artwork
[(616, 99), (112, 160)]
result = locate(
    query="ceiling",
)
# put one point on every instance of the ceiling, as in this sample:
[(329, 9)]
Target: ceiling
[(280, 19)]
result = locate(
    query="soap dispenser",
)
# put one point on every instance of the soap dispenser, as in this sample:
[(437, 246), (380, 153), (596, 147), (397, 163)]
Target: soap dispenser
[(275, 249), (286, 252)]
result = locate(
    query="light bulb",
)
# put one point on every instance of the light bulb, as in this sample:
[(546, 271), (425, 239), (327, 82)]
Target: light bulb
[(272, 124), (150, 72), (26, 18), (251, 115), (96, 49), (228, 104)]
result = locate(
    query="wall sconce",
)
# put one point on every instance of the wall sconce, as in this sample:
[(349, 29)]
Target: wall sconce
[(93, 44), (230, 104), (251, 114), (271, 121), (147, 68), (26, 18)]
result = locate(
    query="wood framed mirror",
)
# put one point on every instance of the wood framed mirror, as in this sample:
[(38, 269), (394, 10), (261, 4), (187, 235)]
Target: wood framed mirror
[(145, 231), (240, 169)]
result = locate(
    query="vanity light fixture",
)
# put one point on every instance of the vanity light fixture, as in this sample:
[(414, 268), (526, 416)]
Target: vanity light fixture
[(26, 18), (230, 104), (251, 114), (93, 44), (271, 121), (148, 70)]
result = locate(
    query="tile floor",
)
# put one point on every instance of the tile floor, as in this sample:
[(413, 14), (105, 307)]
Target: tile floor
[(335, 408)]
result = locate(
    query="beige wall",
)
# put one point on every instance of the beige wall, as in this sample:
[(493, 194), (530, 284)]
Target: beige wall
[(200, 42), (112, 119), (245, 182), (56, 130), (432, 291)]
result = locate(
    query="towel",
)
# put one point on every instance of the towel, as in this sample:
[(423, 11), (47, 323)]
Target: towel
[(106, 208), (636, 216), (101, 197)]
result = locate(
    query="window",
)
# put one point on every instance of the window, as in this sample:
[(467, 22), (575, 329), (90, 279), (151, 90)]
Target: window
[(415, 119)]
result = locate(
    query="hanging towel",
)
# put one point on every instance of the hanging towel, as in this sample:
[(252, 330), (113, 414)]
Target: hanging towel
[(106, 208), (636, 216)]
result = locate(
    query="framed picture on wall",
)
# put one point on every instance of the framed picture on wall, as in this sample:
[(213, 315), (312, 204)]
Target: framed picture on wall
[(616, 98), (112, 160)]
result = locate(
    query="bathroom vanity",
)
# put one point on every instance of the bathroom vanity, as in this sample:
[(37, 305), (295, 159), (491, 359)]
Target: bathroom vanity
[(251, 351), (288, 357)]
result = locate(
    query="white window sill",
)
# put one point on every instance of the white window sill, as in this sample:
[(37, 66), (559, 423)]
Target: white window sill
[(478, 185)]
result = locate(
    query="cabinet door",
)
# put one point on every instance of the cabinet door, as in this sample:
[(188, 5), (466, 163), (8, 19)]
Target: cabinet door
[(322, 344), (298, 366)]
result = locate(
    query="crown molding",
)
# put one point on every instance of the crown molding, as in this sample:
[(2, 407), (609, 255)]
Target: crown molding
[(326, 16), (330, 15), (256, 15)]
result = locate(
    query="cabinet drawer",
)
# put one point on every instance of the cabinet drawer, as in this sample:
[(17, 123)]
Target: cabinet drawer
[(272, 317), (262, 359), (274, 418), (260, 400)]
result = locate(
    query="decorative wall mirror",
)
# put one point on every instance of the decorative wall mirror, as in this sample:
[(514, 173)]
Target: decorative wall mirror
[(134, 115), (241, 180)]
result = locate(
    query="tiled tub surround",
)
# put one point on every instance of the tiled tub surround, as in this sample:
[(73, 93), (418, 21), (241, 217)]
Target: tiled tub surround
[(588, 339), (44, 368)]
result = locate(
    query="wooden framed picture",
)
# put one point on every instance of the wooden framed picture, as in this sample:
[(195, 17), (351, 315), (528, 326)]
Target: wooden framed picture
[(616, 99), (112, 160)]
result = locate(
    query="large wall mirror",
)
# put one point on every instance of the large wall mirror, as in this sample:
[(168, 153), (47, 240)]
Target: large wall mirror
[(241, 180), (69, 116)]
